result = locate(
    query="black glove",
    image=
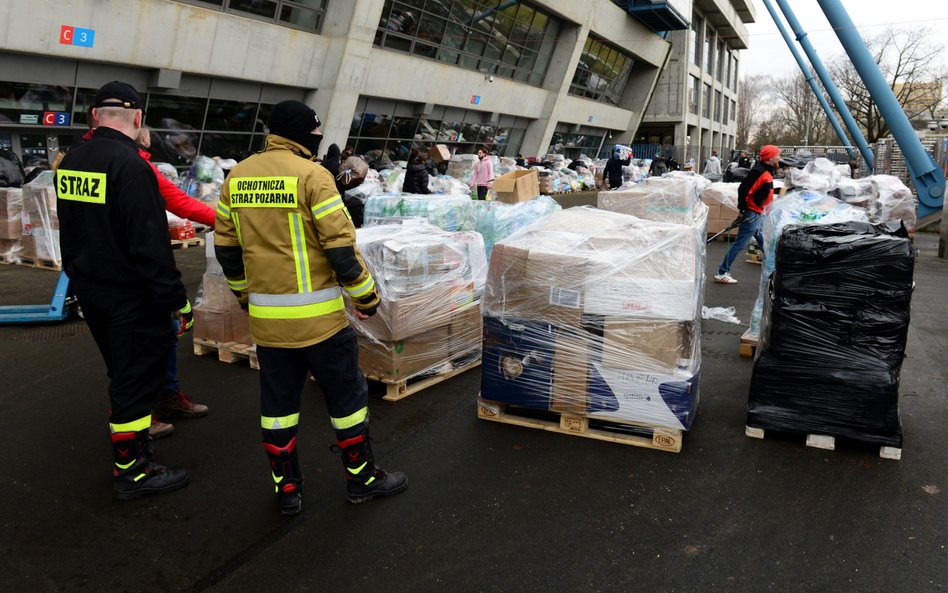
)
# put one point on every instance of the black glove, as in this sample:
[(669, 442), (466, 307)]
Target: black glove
[(185, 319), (369, 311)]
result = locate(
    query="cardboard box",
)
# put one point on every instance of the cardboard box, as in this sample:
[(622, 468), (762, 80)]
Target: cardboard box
[(517, 186), (466, 330), (401, 359), (440, 153), (47, 244), (643, 345), (517, 366), (11, 203), (11, 229), (651, 399), (209, 325), (570, 369), (413, 314), (534, 285), (10, 247), (651, 298)]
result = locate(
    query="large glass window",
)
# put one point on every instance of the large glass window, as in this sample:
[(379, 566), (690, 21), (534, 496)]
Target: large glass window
[(508, 39), (301, 14), (733, 109), (721, 58), (602, 72), (708, 50), (382, 136), (22, 103), (693, 95), (695, 43), (717, 106), (730, 63), (572, 143), (706, 101)]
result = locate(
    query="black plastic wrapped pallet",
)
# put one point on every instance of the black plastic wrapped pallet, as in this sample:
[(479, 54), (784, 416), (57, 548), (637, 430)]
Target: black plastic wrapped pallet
[(833, 333)]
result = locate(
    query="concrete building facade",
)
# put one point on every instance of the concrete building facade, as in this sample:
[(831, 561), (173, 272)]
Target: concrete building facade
[(384, 75), (694, 107)]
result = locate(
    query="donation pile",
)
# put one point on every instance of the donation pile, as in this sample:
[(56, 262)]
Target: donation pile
[(496, 220), (453, 212), (665, 199), (217, 314)]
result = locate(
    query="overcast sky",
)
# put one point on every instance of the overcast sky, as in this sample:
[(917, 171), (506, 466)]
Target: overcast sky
[(768, 53)]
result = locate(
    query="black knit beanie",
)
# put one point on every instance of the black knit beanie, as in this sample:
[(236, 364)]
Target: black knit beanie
[(293, 120)]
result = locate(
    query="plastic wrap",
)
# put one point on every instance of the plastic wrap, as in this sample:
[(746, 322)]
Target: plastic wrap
[(461, 167), (496, 221), (445, 184), (721, 200), (895, 201), (798, 207), (217, 314), (430, 283), (40, 222), (11, 223), (664, 199), (597, 314), (834, 333), (447, 212)]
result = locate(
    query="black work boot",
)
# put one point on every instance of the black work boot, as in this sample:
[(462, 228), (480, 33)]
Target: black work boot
[(134, 472), (364, 480), (285, 469)]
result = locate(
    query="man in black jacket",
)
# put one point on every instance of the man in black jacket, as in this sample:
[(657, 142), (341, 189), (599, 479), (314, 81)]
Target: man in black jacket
[(117, 252)]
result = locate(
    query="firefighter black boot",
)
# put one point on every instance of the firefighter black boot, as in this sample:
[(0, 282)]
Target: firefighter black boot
[(135, 474), (285, 469), (364, 480)]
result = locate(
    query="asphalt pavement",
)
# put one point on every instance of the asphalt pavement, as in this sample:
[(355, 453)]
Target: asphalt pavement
[(490, 507)]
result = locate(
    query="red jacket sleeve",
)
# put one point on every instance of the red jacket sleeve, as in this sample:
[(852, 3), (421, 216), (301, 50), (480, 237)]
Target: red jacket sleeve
[(181, 204)]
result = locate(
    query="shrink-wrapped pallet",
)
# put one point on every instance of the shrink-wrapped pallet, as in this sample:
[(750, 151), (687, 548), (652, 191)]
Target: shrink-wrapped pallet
[(430, 283), (496, 220), (217, 314), (40, 220), (448, 212), (666, 199), (596, 314), (833, 333), (11, 223)]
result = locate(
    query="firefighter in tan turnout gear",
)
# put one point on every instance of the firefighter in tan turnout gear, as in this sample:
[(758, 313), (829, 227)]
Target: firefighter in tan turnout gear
[(288, 249)]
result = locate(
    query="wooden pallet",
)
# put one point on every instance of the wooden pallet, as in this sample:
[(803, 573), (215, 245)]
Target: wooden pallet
[(43, 264), (748, 345), (754, 258), (396, 390), (651, 437), (229, 352), (185, 243), (827, 442)]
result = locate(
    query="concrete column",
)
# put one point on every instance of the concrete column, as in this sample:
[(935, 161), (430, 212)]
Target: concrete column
[(351, 27), (569, 48)]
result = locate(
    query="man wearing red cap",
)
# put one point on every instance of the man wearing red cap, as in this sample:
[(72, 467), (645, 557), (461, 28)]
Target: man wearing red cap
[(753, 196)]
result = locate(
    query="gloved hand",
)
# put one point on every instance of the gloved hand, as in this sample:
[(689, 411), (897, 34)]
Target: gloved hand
[(185, 319), (362, 310)]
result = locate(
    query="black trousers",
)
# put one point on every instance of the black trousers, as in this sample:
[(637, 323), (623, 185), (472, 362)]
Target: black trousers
[(482, 192), (334, 364), (132, 333)]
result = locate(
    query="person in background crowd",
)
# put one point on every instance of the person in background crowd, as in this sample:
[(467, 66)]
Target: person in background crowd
[(612, 172), (332, 159), (712, 168), (172, 402), (291, 278), (658, 167), (483, 177), (116, 250), (520, 161), (416, 174), (753, 196), (743, 160), (347, 152), (672, 163)]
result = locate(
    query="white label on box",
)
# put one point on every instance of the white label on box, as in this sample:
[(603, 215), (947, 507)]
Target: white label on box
[(638, 396), (565, 297), (656, 299)]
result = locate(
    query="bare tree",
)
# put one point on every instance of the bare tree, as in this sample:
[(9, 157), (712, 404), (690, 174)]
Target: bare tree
[(750, 106), (796, 117), (910, 60)]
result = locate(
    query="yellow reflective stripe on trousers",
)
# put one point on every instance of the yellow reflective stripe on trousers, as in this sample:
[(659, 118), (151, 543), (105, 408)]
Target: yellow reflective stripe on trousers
[(237, 285), (278, 422), (134, 426), (350, 420), (300, 258), (297, 311), (328, 207), (361, 289)]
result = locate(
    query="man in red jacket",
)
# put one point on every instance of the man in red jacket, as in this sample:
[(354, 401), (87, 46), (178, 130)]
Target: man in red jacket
[(172, 402), (753, 196)]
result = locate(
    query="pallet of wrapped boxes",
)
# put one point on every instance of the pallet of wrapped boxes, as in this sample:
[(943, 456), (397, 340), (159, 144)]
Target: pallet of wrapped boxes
[(29, 227), (427, 327), (833, 336), (592, 327), (221, 327)]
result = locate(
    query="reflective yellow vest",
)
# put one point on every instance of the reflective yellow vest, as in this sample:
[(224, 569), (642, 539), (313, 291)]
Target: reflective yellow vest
[(283, 211)]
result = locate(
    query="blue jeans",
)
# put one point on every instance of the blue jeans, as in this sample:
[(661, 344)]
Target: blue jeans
[(749, 228), (170, 383)]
